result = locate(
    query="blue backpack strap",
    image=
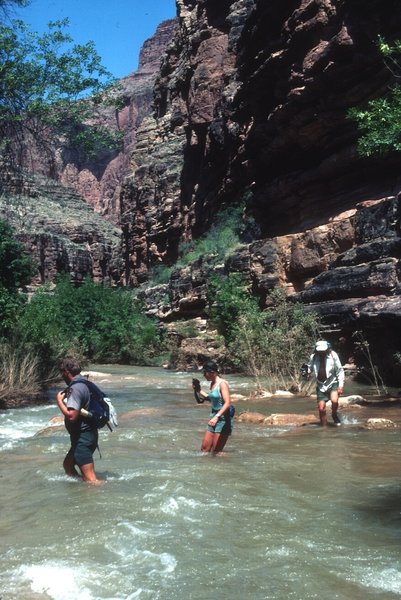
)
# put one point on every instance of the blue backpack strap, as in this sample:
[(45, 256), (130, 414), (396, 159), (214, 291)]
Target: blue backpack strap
[(91, 386)]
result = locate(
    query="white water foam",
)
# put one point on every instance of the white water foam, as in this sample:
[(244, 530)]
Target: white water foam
[(386, 580), (167, 563), (22, 424), (60, 477), (56, 580)]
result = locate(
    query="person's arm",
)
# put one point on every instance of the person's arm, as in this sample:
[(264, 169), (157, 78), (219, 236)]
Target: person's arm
[(70, 413), (340, 374), (200, 396), (311, 365)]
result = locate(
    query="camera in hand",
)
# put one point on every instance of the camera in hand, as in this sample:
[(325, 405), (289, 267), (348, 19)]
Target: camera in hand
[(304, 371), (196, 384)]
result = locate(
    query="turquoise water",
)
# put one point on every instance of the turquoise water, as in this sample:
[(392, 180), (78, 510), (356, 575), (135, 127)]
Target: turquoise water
[(287, 513)]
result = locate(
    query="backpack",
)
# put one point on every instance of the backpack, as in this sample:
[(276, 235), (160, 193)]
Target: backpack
[(100, 409)]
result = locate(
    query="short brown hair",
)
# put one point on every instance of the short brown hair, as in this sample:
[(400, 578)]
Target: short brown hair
[(70, 364)]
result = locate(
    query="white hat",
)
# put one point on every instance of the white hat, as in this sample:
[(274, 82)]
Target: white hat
[(321, 346)]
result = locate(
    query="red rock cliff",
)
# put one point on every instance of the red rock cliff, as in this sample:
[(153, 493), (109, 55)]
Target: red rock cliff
[(251, 104)]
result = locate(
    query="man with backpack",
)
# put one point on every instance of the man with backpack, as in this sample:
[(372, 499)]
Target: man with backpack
[(83, 431)]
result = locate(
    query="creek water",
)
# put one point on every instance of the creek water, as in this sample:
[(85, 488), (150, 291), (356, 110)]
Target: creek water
[(287, 513)]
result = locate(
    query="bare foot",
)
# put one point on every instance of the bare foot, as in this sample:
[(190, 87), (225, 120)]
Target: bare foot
[(96, 482)]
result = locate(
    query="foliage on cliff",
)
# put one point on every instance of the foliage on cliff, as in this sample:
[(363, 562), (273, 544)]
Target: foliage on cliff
[(16, 270), (379, 122), (222, 237)]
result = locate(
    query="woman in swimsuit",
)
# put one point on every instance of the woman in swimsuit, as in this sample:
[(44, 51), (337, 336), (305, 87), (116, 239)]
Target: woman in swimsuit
[(219, 425)]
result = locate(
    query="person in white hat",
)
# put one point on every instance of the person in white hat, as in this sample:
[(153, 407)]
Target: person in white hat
[(325, 365)]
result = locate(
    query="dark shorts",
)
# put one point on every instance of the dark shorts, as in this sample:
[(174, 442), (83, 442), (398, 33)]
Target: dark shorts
[(83, 446), (222, 426), (325, 396)]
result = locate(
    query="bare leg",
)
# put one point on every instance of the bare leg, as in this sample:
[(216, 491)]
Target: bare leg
[(69, 465), (334, 402), (219, 441), (322, 413), (334, 406), (89, 475), (207, 442)]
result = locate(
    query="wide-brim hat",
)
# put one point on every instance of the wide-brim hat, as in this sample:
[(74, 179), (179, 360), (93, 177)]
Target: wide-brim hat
[(321, 346)]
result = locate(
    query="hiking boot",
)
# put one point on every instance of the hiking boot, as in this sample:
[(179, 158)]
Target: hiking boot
[(337, 420)]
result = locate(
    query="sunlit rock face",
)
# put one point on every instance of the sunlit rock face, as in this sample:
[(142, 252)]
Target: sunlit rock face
[(99, 181), (60, 231)]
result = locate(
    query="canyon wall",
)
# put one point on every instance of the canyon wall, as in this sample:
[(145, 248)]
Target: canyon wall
[(99, 180), (251, 107)]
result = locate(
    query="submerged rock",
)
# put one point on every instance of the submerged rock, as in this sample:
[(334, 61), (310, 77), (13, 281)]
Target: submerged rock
[(296, 420), (279, 419), (251, 417), (380, 424)]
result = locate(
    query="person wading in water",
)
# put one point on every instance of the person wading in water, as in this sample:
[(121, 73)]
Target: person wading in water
[(83, 433), (219, 426), (326, 367)]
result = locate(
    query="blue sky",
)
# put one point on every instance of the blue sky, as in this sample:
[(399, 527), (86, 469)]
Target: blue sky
[(117, 27)]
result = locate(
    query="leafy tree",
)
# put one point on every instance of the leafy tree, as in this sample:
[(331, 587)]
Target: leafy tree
[(5, 5), (16, 270), (99, 322), (379, 122), (50, 87)]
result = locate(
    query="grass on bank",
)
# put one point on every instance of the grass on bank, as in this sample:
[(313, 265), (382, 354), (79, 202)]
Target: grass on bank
[(19, 376)]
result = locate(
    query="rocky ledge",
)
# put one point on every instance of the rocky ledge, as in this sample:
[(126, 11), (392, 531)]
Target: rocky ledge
[(61, 232)]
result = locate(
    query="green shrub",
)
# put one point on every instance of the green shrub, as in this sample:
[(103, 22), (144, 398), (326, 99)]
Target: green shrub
[(379, 124), (186, 329), (269, 345), (160, 274), (16, 270), (220, 240), (103, 323)]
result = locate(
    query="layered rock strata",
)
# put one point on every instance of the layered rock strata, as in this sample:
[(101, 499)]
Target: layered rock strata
[(98, 179), (61, 232), (251, 106)]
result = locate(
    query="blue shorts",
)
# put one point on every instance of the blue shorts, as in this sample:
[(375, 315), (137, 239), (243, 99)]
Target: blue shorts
[(222, 426), (83, 446)]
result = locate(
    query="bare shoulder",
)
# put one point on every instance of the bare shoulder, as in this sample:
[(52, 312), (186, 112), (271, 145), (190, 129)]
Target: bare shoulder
[(223, 381), (224, 388)]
